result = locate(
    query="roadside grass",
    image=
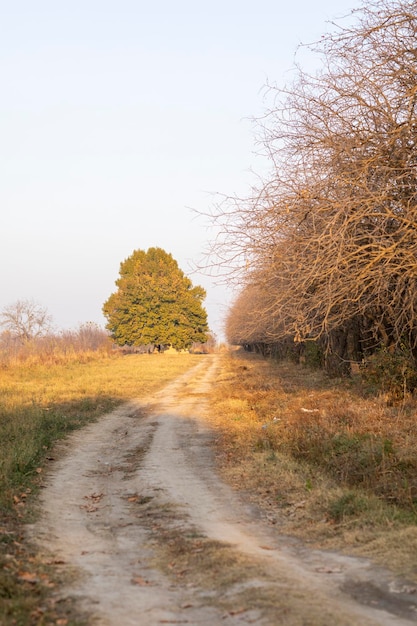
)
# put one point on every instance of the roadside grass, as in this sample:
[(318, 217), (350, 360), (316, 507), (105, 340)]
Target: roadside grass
[(324, 460), (40, 404)]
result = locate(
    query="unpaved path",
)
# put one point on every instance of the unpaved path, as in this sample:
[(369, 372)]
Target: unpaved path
[(150, 535)]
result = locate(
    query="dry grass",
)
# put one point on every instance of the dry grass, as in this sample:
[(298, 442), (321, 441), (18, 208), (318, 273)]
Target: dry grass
[(220, 576), (40, 404), (324, 461)]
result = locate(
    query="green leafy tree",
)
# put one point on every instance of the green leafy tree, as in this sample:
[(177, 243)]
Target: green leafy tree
[(155, 303)]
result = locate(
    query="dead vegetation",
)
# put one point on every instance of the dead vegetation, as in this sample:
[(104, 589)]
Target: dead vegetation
[(42, 402), (323, 460), (323, 246)]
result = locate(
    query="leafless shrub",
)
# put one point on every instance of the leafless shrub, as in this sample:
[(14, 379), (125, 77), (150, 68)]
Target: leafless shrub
[(56, 347)]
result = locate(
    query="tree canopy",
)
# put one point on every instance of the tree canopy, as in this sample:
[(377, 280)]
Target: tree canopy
[(155, 303)]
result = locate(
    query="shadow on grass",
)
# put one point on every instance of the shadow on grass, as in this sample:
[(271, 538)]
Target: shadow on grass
[(28, 435)]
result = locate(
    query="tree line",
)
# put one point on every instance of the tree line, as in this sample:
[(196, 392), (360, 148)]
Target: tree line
[(155, 306), (325, 247), (28, 333)]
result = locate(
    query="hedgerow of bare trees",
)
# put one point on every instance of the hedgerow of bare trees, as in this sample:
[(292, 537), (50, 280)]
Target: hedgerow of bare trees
[(326, 246)]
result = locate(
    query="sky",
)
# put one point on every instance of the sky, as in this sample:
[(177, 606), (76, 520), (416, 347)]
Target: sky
[(121, 124)]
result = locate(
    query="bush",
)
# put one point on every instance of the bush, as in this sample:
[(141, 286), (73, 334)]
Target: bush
[(313, 355), (391, 372), (349, 504)]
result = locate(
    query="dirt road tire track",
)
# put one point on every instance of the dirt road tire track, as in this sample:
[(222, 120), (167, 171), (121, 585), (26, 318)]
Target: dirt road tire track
[(136, 512)]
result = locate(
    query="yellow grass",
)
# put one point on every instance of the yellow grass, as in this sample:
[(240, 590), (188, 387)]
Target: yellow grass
[(117, 378), (39, 404), (323, 460)]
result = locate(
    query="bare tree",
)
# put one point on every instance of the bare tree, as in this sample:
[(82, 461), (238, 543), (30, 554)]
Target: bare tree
[(26, 320), (333, 231)]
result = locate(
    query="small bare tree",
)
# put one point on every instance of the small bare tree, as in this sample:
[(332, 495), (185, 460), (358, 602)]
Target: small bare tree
[(26, 320)]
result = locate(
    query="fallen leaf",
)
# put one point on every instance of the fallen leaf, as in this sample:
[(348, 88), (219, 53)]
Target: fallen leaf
[(181, 573), (94, 496), (237, 611), (138, 580), (28, 577), (90, 508), (232, 613)]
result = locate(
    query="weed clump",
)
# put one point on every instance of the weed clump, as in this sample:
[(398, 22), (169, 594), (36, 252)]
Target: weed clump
[(392, 373), (347, 505)]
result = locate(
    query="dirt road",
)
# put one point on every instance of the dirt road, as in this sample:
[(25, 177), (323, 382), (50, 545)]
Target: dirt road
[(150, 535)]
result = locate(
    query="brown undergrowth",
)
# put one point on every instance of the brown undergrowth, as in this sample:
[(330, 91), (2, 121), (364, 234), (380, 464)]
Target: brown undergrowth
[(323, 459)]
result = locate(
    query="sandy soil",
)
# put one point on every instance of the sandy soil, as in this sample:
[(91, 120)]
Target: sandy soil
[(148, 534)]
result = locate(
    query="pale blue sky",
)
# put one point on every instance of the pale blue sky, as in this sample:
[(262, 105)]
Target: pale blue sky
[(117, 119)]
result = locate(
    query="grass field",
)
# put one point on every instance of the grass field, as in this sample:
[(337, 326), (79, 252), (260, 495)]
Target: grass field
[(40, 404), (326, 460)]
